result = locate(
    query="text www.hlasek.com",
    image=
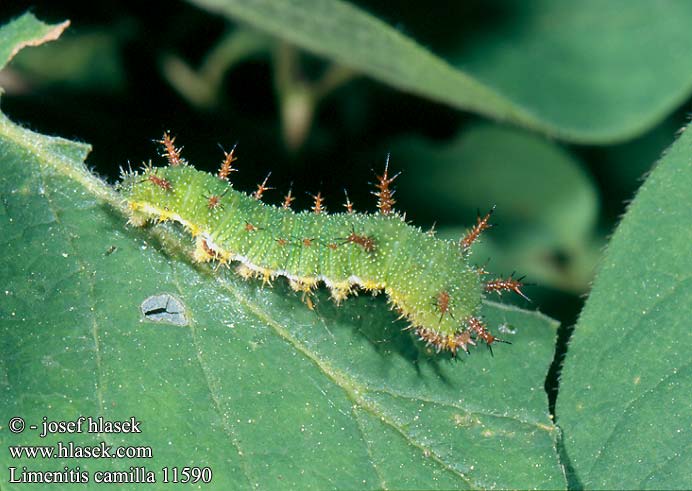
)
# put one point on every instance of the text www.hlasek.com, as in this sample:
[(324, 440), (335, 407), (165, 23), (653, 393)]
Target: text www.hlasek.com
[(71, 451)]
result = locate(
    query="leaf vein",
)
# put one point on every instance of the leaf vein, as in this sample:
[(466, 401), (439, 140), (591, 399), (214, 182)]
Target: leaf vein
[(211, 386)]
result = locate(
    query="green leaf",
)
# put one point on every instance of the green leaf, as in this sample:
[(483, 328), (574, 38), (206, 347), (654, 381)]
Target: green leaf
[(557, 67), (26, 30), (247, 381), (546, 204), (265, 391), (624, 403), (596, 71)]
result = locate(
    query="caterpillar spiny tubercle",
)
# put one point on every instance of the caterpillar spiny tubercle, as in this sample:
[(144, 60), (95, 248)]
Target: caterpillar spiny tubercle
[(429, 281)]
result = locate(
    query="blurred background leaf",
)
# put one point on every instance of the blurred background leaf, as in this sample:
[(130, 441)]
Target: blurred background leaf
[(203, 87), (85, 61), (546, 203), (553, 66)]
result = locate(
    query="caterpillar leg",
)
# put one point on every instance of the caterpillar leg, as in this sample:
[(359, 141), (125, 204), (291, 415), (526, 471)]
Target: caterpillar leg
[(440, 342), (306, 286)]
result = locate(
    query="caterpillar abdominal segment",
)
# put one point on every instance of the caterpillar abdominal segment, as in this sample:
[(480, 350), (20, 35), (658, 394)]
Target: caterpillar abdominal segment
[(429, 281)]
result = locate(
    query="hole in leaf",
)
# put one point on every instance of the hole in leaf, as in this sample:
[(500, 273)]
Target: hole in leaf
[(166, 308)]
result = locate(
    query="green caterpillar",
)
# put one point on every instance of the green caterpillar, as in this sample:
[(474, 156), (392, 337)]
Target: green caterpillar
[(429, 281)]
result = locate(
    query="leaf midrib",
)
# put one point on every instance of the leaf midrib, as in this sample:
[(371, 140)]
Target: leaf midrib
[(345, 383), (353, 389)]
